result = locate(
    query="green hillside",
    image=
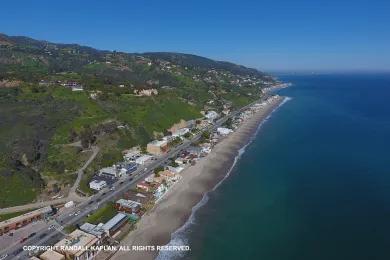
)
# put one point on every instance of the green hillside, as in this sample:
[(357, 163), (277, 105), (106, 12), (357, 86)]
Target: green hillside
[(41, 115)]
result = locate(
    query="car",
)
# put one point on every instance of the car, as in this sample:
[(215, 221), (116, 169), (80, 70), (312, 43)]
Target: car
[(42, 235), (11, 234), (23, 239), (89, 203), (32, 234), (121, 182)]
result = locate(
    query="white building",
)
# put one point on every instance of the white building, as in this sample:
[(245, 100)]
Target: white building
[(110, 171), (77, 88), (180, 132), (143, 159), (224, 131), (211, 115), (97, 185)]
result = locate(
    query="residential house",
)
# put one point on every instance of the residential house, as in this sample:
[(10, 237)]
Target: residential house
[(224, 130), (143, 186), (114, 224), (96, 230), (128, 206), (211, 115)]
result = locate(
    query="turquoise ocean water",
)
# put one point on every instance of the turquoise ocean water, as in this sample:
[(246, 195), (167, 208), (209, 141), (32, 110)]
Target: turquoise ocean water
[(313, 184)]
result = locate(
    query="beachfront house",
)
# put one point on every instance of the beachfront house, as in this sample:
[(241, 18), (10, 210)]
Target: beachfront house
[(113, 225), (128, 206), (224, 130), (143, 186)]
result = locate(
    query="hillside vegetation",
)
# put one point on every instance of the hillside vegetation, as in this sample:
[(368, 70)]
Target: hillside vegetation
[(46, 128)]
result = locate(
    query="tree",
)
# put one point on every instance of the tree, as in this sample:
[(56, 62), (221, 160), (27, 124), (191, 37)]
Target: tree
[(158, 169), (87, 137)]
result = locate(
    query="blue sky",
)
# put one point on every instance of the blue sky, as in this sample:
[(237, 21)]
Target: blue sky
[(269, 35)]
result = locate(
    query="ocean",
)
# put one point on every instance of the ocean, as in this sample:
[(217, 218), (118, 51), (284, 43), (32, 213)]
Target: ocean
[(313, 184)]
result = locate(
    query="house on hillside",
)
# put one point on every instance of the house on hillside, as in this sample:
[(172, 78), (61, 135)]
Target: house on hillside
[(211, 115)]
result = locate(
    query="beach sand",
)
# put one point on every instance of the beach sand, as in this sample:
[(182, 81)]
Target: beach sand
[(173, 210)]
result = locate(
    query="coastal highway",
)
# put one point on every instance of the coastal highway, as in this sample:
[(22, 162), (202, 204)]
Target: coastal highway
[(49, 237)]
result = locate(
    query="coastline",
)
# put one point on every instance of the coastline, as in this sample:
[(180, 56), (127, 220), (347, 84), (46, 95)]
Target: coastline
[(173, 211)]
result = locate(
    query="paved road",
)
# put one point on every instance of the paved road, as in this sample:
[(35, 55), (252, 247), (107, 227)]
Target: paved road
[(45, 237), (95, 151)]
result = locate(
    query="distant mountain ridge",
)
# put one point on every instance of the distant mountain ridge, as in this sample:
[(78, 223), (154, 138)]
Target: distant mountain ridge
[(183, 59)]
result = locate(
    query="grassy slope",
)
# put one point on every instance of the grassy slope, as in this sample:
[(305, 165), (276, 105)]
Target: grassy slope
[(144, 116)]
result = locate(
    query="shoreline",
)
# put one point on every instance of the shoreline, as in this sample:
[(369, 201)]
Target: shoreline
[(174, 210)]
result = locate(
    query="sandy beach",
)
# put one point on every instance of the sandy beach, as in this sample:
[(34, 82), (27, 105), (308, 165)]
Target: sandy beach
[(175, 207)]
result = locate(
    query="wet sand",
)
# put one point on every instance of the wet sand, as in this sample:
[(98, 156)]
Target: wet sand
[(173, 210)]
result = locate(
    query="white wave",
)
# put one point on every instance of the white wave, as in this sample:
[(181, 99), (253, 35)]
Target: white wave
[(180, 236)]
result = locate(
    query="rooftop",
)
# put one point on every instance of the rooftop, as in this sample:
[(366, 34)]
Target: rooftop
[(77, 238), (51, 255), (115, 220), (92, 229), (128, 203), (33, 213)]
